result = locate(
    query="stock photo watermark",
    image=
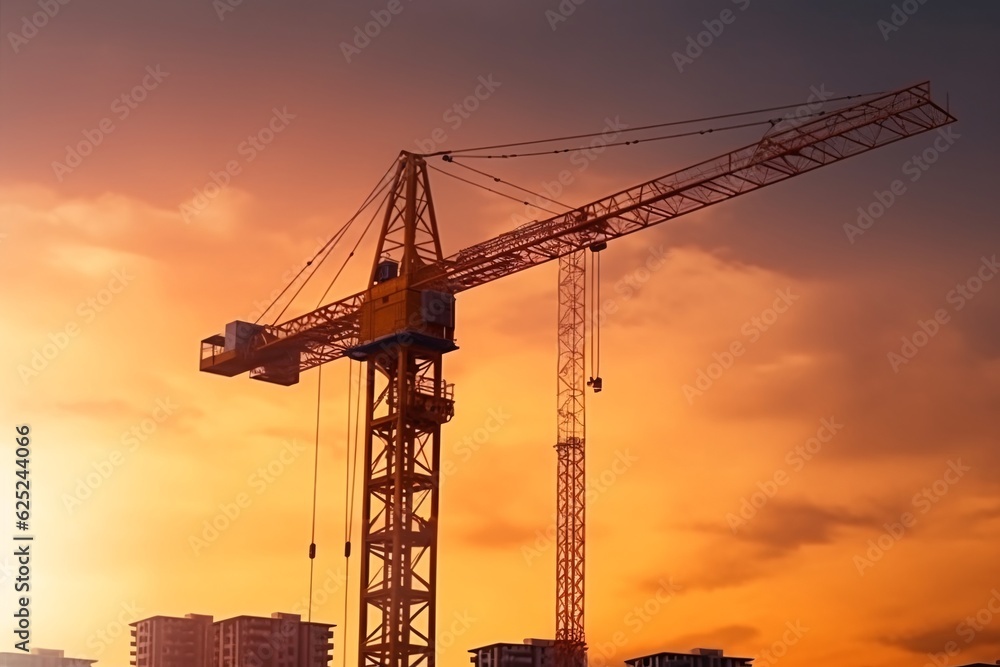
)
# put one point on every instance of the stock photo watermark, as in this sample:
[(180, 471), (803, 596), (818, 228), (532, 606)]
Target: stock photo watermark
[(796, 458), (43, 356), (562, 12), (629, 285), (602, 653), (459, 112), (817, 97), (130, 440), (596, 487), (100, 640), (223, 7), (900, 15), (922, 501), (698, 43), (364, 34), (581, 159), (121, 108), (467, 447), (967, 630), (260, 306), (31, 25), (957, 298), (247, 151), (230, 512), (793, 634), (752, 330), (914, 169)]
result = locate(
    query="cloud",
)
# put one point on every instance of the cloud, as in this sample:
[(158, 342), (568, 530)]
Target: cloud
[(99, 409), (501, 534), (761, 546), (787, 526), (934, 639)]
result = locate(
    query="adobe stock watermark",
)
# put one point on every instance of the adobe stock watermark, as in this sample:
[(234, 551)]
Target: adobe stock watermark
[(752, 329), (223, 7), (31, 25), (8, 570), (322, 592), (923, 501), (451, 630), (967, 630), (247, 150), (87, 311), (269, 650), (596, 487), (467, 447), (629, 285), (101, 639), (914, 169), (899, 16), (458, 113), (364, 34), (260, 306), (581, 159), (796, 458), (817, 98), (957, 298), (130, 441), (258, 482), (793, 634), (602, 653), (697, 44), (562, 12), (121, 108)]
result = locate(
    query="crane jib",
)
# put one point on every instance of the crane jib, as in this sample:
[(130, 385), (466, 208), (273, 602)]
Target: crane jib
[(324, 334)]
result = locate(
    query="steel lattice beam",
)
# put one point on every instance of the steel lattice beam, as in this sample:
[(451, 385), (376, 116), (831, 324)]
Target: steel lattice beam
[(324, 334), (399, 509), (571, 470)]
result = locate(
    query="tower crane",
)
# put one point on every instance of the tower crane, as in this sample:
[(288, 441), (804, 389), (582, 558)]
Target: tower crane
[(403, 324)]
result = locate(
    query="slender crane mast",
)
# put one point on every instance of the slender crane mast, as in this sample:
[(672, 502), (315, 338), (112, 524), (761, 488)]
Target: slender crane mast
[(403, 324), (571, 489)]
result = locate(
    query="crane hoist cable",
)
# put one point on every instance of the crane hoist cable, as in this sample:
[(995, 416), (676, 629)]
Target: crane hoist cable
[(347, 484), (650, 127), (595, 381), (357, 442), (327, 247), (330, 244), (489, 189), (351, 477), (312, 536), (497, 179), (353, 218), (354, 249), (692, 133)]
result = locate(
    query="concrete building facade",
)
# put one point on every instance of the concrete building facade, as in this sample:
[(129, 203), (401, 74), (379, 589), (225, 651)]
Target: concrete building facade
[(699, 657), (42, 657), (167, 641), (281, 640), (530, 653)]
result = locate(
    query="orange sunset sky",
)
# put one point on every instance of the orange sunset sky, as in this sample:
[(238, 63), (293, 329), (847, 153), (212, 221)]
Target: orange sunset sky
[(772, 498)]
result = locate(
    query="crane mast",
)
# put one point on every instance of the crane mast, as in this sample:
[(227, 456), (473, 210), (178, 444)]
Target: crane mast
[(406, 402), (570, 645), (403, 324)]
